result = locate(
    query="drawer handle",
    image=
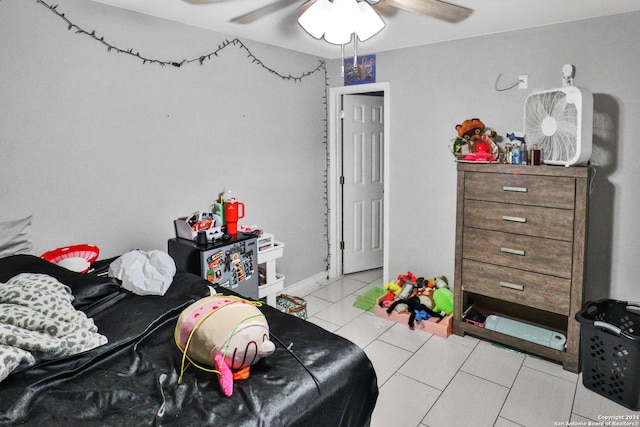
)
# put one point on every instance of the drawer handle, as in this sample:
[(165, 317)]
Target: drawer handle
[(512, 251), (512, 286), (513, 218), (515, 189)]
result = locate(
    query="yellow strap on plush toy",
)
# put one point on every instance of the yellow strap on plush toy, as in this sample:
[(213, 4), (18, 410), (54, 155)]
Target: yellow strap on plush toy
[(185, 357), (236, 328)]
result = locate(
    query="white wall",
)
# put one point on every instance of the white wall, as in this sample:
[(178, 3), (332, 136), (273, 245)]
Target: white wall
[(104, 149), (434, 87), (159, 142)]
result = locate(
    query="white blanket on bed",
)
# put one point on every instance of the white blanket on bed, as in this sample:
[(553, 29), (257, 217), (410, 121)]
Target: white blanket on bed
[(38, 321)]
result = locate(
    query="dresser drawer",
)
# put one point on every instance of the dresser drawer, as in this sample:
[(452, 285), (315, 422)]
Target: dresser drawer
[(521, 287), (510, 218), (546, 256), (551, 191)]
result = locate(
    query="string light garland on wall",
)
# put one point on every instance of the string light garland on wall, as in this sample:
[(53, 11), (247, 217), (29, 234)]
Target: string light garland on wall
[(200, 60)]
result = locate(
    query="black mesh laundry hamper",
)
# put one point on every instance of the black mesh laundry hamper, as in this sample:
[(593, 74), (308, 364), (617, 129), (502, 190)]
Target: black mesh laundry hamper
[(610, 350)]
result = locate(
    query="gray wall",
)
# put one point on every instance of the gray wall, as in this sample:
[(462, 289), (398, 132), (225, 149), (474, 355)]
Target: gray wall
[(106, 150), (434, 87)]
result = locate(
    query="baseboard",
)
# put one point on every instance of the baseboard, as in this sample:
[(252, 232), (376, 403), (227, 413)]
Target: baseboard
[(307, 286)]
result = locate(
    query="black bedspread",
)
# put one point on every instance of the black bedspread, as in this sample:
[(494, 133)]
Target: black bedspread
[(133, 380)]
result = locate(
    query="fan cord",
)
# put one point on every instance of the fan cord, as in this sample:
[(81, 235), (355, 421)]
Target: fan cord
[(508, 87)]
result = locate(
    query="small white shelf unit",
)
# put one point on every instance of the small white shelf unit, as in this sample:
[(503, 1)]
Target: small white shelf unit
[(269, 250)]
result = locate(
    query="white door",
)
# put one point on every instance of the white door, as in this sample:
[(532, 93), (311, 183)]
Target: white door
[(363, 184)]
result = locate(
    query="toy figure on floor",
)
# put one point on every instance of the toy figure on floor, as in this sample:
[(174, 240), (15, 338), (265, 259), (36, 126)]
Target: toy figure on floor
[(414, 307)]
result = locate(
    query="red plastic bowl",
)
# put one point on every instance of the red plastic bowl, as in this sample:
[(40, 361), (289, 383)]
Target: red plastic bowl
[(88, 252)]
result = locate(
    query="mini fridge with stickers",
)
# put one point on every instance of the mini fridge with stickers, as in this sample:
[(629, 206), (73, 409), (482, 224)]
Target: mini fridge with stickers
[(232, 264)]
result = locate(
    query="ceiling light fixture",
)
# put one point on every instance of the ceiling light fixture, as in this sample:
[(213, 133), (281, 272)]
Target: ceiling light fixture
[(315, 19), (369, 23), (339, 20)]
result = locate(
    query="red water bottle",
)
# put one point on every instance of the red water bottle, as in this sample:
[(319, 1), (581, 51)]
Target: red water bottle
[(233, 211)]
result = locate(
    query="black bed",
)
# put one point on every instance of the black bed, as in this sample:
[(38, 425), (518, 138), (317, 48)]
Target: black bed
[(324, 380)]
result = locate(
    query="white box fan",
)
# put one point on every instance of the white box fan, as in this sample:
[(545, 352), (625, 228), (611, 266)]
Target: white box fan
[(560, 122)]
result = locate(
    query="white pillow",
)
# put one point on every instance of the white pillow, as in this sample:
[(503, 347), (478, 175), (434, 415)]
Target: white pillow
[(15, 237)]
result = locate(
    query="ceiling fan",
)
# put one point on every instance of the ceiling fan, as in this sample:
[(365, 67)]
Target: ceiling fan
[(434, 8)]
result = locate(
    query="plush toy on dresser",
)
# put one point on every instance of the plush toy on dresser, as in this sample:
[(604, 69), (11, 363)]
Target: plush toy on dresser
[(474, 142)]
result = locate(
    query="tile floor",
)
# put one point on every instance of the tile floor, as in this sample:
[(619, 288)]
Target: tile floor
[(429, 381)]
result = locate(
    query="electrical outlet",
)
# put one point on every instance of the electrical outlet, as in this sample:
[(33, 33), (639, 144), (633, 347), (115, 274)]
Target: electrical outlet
[(524, 81)]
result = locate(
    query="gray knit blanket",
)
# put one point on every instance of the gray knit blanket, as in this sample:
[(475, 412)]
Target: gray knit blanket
[(38, 322)]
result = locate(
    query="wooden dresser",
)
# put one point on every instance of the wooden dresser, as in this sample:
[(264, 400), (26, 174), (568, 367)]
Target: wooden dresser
[(520, 251)]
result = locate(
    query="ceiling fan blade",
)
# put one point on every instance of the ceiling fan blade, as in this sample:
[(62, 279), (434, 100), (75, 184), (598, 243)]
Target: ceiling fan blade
[(261, 12), (435, 8), (303, 8), (384, 9)]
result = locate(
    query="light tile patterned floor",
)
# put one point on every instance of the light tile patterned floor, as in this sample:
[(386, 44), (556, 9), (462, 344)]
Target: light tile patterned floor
[(429, 381)]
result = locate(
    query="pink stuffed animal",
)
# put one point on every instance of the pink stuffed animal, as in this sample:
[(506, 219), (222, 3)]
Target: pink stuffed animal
[(226, 332)]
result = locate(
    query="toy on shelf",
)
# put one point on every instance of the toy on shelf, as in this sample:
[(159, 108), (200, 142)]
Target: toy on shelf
[(474, 142)]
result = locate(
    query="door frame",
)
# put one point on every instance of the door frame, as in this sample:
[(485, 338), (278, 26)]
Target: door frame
[(333, 173)]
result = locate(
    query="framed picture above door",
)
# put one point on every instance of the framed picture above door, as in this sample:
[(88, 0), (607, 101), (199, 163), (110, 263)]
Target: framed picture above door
[(360, 70)]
